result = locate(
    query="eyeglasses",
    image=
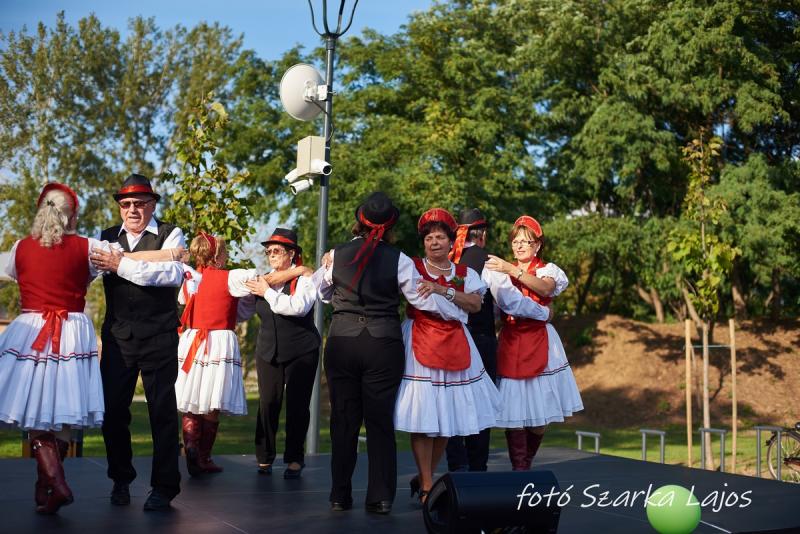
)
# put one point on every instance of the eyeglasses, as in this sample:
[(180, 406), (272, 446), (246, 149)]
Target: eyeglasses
[(522, 243), (274, 252), (138, 204)]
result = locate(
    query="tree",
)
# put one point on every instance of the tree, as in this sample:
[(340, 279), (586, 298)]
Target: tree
[(705, 258)]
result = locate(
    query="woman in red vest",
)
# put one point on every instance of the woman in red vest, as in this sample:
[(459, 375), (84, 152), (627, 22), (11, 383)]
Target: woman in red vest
[(210, 377), (445, 389), (49, 369), (534, 379)]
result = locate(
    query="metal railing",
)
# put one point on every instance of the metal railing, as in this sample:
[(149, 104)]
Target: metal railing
[(661, 434)]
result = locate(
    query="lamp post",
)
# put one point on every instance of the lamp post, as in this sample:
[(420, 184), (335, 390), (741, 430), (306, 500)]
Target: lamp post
[(330, 36)]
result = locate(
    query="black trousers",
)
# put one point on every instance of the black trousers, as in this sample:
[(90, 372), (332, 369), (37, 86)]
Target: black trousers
[(472, 452), (364, 374), (297, 377), (119, 384)]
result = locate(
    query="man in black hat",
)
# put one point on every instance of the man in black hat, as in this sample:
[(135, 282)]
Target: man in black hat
[(140, 335), (472, 452)]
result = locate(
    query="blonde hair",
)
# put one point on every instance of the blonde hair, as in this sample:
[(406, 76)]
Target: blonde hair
[(201, 250), (54, 219)]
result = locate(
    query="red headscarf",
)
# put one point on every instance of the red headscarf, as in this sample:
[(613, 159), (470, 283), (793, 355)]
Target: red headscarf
[(437, 215), (212, 243)]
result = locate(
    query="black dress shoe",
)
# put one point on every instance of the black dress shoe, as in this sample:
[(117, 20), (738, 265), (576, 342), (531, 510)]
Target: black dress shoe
[(293, 474), (380, 507), (120, 494), (337, 506), (156, 502), (264, 469)]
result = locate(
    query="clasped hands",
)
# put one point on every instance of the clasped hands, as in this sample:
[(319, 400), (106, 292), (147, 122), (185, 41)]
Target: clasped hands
[(260, 284)]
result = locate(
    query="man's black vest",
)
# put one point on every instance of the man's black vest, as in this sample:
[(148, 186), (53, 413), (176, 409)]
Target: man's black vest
[(281, 337), (134, 311), (373, 302), (481, 322)]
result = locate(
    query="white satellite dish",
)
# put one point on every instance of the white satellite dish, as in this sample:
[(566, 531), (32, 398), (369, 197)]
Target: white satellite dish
[(302, 90)]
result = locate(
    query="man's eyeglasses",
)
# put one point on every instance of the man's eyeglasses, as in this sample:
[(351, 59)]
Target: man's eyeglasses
[(138, 204), (522, 243), (275, 252)]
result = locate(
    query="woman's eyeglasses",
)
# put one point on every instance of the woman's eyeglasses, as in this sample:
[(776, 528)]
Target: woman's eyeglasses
[(522, 243), (274, 252), (138, 204)]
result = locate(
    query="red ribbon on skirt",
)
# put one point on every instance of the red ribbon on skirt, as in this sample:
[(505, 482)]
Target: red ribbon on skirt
[(51, 329)]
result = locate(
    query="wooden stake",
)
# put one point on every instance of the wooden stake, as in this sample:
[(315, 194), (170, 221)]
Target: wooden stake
[(734, 419), (688, 336)]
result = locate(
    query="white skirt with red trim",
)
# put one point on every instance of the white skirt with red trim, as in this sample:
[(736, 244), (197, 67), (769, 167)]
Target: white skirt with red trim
[(443, 403), (214, 381), (547, 398), (44, 390)]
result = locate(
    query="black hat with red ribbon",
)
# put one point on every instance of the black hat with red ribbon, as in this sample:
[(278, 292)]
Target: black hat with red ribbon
[(287, 238), (136, 184), (470, 219), (378, 214)]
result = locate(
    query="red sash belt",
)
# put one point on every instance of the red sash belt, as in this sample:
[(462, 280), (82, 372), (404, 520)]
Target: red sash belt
[(522, 348), (437, 343), (200, 335), (50, 329)]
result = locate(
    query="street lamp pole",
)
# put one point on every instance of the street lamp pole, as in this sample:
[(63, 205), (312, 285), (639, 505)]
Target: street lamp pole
[(330, 37)]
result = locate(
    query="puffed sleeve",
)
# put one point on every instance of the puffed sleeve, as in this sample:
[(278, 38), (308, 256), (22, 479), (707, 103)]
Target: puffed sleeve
[(10, 267), (323, 281), (236, 280), (473, 282), (297, 305), (551, 270)]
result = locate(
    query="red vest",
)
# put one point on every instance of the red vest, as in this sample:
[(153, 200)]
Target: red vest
[(211, 308), (437, 343), (53, 278), (53, 281), (522, 347)]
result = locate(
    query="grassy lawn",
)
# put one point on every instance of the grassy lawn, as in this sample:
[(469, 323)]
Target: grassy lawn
[(236, 437)]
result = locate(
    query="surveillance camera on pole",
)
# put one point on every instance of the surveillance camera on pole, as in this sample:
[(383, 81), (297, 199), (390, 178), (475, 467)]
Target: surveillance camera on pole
[(310, 162)]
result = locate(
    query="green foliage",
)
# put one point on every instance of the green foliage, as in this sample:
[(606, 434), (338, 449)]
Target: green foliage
[(207, 195), (706, 260)]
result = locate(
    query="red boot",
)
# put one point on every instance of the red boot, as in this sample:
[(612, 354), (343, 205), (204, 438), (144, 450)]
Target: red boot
[(534, 440), (207, 439), (48, 458), (518, 450), (192, 430), (41, 486)]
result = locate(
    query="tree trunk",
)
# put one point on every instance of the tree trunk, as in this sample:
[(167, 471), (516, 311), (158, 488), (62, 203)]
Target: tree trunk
[(583, 294), (775, 305), (687, 299), (654, 300), (737, 293)]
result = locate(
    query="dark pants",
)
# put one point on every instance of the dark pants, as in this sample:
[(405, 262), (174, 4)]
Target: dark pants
[(364, 374), (472, 452), (119, 383), (297, 376)]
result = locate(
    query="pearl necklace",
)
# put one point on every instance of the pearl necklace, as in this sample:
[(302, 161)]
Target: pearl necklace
[(450, 264)]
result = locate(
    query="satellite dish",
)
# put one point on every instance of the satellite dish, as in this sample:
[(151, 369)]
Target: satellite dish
[(302, 88)]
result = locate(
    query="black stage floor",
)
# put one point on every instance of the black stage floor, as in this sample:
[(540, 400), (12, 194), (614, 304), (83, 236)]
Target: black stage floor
[(241, 501)]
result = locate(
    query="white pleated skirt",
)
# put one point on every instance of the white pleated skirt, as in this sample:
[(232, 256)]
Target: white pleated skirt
[(43, 390), (443, 403), (214, 382), (547, 398)]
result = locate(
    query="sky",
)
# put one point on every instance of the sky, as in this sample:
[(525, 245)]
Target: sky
[(270, 27)]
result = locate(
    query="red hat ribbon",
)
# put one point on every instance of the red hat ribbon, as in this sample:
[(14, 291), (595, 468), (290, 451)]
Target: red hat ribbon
[(133, 189), (529, 222), (370, 243), (458, 246)]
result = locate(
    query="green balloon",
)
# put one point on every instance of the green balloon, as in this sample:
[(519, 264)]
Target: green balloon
[(673, 510)]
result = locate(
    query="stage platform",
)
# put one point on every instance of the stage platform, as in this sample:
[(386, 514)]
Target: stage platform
[(242, 501)]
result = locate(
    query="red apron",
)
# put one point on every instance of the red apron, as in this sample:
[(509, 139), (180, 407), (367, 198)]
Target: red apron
[(437, 343), (523, 344)]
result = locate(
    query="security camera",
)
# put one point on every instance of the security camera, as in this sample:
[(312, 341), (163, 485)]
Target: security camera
[(319, 166), (300, 186)]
